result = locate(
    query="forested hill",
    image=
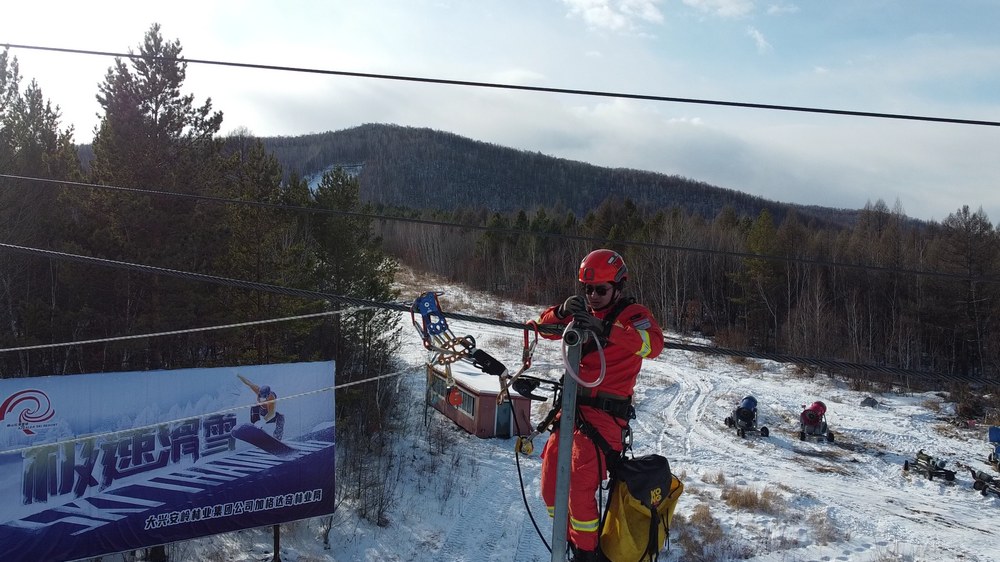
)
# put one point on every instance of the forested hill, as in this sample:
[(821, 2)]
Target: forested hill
[(424, 168)]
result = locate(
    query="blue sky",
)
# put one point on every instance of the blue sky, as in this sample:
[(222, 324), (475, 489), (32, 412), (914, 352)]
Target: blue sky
[(917, 57)]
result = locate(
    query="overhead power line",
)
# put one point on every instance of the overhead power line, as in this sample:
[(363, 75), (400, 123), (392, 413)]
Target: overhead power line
[(396, 306), (509, 231), (495, 85), (190, 276), (176, 332), (405, 307)]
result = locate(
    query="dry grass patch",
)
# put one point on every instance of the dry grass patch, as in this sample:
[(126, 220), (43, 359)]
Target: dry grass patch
[(786, 488), (454, 302), (750, 365), (777, 540), (497, 342), (716, 478), (697, 530), (824, 531), (951, 430), (700, 493), (992, 416), (707, 525), (411, 282), (830, 469), (932, 405), (737, 359), (768, 500), (703, 539), (861, 384), (824, 468), (804, 371)]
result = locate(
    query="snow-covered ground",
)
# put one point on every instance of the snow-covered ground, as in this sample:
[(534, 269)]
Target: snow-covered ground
[(459, 498)]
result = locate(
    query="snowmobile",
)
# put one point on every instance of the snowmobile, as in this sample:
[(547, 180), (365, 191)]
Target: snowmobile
[(744, 418), (984, 483), (994, 457), (812, 423), (928, 465)]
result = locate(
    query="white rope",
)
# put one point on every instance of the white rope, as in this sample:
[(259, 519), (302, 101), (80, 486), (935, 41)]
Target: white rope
[(574, 371), (187, 331)]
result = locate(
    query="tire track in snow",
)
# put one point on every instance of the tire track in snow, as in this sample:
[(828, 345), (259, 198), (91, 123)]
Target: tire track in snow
[(691, 434), (688, 433)]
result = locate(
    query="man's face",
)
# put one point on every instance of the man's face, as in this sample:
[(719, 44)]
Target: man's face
[(599, 295)]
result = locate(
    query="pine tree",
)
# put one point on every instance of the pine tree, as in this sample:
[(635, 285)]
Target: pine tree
[(971, 248), (152, 137), (350, 262), (266, 246), (32, 144)]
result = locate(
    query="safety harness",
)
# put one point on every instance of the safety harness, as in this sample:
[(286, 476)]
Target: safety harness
[(620, 408), (617, 407)]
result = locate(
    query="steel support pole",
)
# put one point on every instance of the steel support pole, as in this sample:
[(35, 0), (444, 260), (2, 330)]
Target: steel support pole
[(567, 422)]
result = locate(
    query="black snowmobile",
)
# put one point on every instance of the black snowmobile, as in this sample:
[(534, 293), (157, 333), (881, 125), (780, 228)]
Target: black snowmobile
[(744, 418)]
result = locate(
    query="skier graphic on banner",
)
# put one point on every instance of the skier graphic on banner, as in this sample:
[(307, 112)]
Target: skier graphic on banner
[(266, 408)]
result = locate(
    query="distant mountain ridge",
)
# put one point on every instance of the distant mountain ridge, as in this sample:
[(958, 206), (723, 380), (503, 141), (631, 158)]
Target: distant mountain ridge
[(424, 168)]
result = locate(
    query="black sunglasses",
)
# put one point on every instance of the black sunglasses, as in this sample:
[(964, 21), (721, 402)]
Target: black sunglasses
[(601, 290)]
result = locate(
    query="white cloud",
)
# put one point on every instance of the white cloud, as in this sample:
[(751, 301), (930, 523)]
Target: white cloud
[(758, 38), (932, 168), (645, 10), (785, 8), (520, 76), (616, 15), (689, 120), (723, 8)]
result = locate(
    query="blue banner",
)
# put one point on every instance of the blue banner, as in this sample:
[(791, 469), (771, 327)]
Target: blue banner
[(103, 463)]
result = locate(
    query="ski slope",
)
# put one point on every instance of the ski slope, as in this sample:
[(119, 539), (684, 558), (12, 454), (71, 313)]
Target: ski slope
[(847, 500)]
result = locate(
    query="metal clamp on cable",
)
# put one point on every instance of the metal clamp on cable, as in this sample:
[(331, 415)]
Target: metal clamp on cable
[(573, 337)]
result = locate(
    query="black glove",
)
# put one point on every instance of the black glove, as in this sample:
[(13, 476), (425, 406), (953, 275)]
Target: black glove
[(572, 306), (587, 322)]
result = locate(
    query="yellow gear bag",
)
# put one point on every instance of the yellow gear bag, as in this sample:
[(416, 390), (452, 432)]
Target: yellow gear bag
[(636, 523)]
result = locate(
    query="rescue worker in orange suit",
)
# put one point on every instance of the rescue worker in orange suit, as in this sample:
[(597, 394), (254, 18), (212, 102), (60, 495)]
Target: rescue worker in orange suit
[(630, 335)]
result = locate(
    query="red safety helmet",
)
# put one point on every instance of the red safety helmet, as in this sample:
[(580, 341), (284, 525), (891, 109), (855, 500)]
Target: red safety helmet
[(603, 266)]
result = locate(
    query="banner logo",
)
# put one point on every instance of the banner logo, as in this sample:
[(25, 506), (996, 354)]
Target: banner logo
[(34, 408)]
